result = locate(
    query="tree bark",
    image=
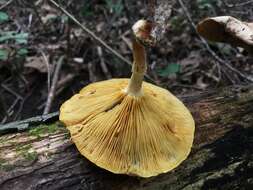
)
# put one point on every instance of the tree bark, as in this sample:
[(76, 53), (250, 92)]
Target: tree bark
[(43, 157)]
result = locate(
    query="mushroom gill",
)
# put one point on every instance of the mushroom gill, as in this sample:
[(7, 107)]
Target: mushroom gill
[(128, 126)]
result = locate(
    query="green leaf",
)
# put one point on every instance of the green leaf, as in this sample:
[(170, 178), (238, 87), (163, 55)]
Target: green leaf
[(170, 69), (64, 18), (87, 10), (3, 54), (116, 7), (3, 17), (22, 51), (20, 38), (206, 4), (6, 36)]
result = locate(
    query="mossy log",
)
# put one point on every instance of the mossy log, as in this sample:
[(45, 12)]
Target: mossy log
[(43, 157)]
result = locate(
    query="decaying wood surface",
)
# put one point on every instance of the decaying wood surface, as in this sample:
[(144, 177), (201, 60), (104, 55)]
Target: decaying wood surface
[(43, 157)]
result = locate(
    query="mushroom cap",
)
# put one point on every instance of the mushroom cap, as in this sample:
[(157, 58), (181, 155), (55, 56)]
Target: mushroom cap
[(142, 29), (227, 29), (141, 136)]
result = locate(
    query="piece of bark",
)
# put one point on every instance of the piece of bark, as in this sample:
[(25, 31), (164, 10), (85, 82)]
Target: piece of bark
[(221, 158), (161, 12), (28, 123)]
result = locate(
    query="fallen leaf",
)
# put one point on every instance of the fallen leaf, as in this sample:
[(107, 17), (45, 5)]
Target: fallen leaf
[(171, 68), (200, 83), (3, 17), (37, 63)]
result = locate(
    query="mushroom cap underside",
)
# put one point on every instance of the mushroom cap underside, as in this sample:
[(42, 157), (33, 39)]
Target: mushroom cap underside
[(227, 29), (142, 136)]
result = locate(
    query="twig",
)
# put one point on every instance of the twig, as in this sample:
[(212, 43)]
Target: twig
[(21, 106), (99, 40), (211, 76), (6, 4), (92, 76), (3, 110), (22, 103), (10, 111), (127, 41), (68, 53), (48, 70), (51, 94), (161, 13), (30, 19), (11, 92), (102, 63), (63, 83), (151, 9), (37, 14), (216, 57)]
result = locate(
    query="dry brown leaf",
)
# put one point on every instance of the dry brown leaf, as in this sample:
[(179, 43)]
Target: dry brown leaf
[(36, 63), (191, 63), (201, 84), (227, 29)]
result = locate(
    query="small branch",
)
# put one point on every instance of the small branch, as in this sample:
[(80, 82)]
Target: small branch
[(92, 76), (151, 9), (6, 4), (68, 53), (215, 56), (161, 13), (51, 94), (10, 111), (102, 63), (48, 70), (11, 92), (37, 14), (3, 110), (63, 83)]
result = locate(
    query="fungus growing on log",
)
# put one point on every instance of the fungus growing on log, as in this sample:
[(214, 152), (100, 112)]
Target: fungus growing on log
[(128, 126), (229, 30)]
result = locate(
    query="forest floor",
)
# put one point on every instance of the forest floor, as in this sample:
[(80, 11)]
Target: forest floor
[(35, 35)]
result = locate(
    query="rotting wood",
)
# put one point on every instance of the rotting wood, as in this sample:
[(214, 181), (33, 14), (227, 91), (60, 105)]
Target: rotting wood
[(28, 123), (221, 158)]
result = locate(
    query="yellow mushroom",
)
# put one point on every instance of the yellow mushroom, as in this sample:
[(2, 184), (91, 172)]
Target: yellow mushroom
[(128, 126)]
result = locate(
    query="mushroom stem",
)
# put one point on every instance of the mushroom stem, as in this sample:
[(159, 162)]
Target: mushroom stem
[(142, 33), (138, 69)]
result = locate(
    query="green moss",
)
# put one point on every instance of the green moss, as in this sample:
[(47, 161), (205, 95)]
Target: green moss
[(2, 161), (26, 152), (30, 156), (45, 129), (5, 166), (20, 148)]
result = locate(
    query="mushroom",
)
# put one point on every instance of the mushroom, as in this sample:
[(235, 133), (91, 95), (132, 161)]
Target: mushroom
[(229, 30), (128, 126)]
